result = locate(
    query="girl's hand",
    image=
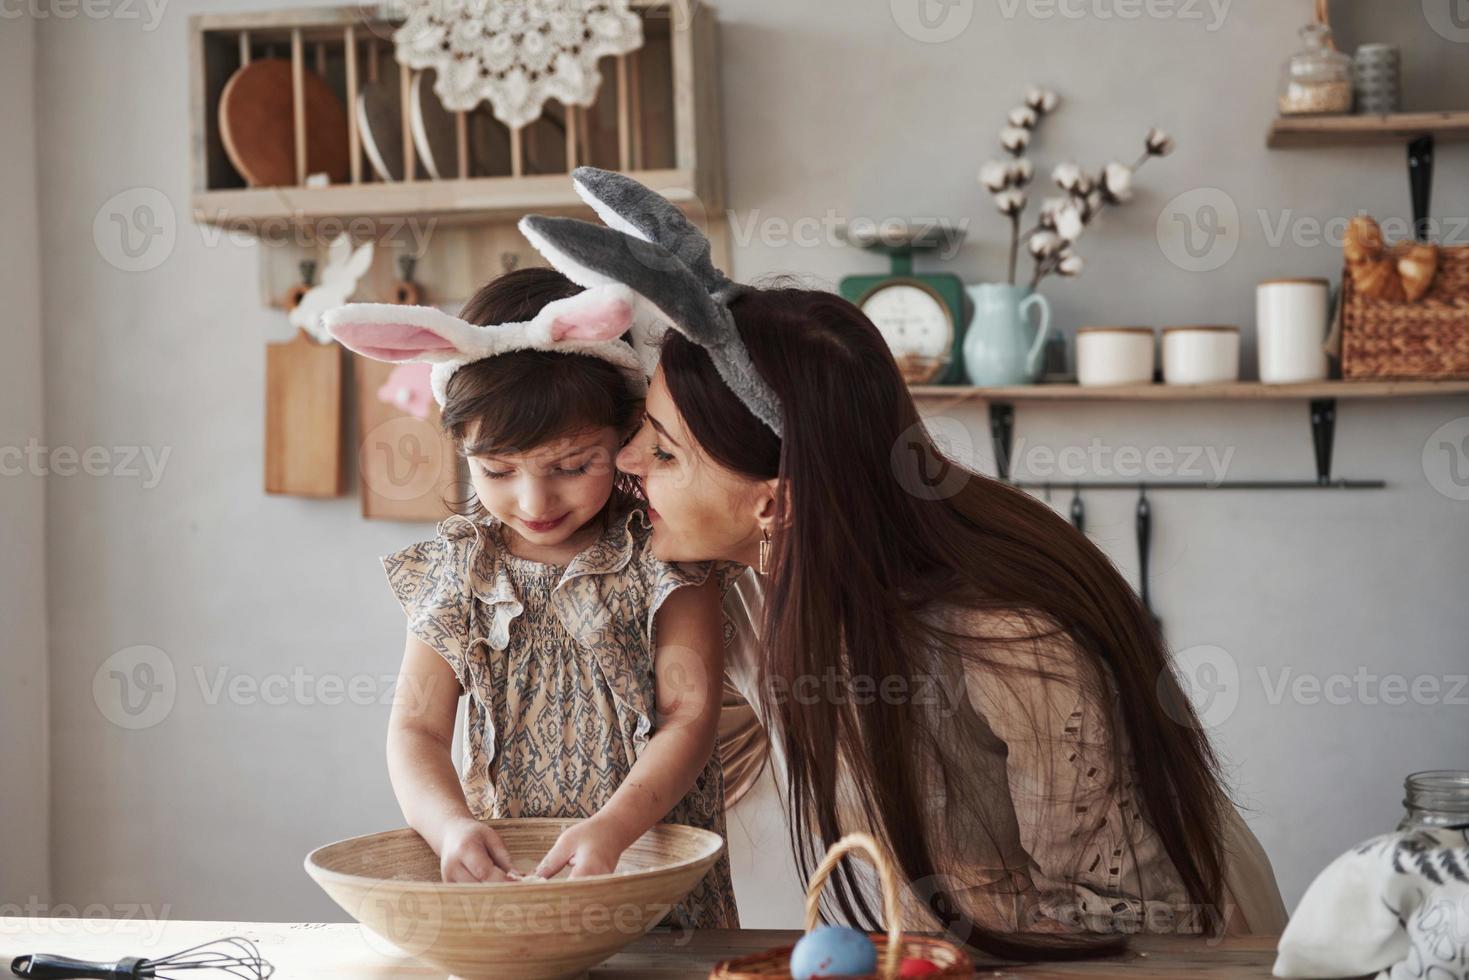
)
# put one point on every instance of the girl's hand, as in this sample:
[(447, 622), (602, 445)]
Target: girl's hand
[(474, 852), (591, 847)]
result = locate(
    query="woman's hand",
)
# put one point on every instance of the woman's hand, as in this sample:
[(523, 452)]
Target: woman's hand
[(473, 852), (591, 847)]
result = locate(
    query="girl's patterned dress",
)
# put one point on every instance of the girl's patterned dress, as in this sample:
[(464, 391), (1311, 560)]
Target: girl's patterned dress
[(558, 664)]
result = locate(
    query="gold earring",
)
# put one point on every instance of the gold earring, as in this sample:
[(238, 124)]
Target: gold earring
[(764, 549)]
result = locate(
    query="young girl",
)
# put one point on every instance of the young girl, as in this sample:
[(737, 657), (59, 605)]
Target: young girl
[(594, 670)]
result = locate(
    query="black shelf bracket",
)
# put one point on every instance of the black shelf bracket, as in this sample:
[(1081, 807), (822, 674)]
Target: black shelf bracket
[(1323, 435), (1002, 431), (1420, 184)]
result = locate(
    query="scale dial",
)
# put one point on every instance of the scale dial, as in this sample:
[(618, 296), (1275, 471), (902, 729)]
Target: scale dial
[(915, 322)]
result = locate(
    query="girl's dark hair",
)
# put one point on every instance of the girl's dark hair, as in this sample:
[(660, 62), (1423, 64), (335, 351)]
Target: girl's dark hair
[(881, 527), (527, 398)]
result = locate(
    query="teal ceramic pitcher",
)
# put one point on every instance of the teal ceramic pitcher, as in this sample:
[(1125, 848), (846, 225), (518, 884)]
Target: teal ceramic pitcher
[(1001, 347)]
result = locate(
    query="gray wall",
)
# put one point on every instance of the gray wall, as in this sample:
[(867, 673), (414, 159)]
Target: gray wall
[(24, 871), (828, 107)]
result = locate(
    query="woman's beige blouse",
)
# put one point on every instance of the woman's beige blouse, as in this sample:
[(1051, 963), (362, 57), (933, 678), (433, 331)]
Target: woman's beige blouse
[(558, 665), (1038, 797)]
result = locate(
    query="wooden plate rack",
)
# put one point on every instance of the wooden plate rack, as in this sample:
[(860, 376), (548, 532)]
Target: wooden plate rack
[(656, 117)]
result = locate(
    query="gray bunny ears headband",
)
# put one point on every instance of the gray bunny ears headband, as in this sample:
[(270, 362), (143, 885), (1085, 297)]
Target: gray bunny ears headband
[(650, 248)]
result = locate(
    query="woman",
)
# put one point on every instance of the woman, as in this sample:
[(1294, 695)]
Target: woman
[(939, 659), (1025, 687)]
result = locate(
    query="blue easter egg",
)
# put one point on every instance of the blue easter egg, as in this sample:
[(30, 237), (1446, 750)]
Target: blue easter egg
[(833, 951)]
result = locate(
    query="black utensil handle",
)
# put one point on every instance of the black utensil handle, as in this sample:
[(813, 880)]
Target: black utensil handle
[(51, 967), (1144, 540)]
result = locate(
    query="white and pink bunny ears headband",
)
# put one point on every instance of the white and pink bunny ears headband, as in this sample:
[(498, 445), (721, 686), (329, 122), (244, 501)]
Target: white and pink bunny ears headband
[(590, 323)]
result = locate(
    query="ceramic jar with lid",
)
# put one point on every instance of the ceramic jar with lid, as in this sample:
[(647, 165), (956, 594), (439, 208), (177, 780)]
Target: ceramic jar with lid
[(1200, 355), (1108, 356)]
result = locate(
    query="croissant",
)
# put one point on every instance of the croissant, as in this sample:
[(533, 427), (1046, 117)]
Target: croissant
[(1379, 278), (1417, 264), (1405, 273), (1363, 240)]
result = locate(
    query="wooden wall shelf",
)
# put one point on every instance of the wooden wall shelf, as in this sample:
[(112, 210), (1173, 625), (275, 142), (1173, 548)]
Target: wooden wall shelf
[(1311, 131), (447, 201), (1241, 390)]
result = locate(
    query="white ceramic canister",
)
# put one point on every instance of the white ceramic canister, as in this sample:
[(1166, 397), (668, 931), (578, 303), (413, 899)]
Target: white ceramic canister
[(1290, 326), (1200, 355), (1107, 356)]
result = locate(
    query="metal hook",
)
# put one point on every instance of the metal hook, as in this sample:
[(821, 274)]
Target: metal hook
[(406, 265), (1144, 544)]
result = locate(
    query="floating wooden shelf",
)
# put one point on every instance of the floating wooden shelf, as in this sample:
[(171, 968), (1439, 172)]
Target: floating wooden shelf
[(1400, 127), (1241, 390)]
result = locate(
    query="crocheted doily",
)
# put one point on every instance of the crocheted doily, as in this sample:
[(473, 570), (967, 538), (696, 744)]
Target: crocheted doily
[(515, 54)]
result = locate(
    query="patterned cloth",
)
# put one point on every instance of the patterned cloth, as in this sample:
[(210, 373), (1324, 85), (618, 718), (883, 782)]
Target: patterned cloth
[(558, 665)]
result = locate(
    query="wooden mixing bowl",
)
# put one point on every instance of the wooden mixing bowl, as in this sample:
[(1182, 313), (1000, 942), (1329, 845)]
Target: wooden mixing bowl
[(537, 930)]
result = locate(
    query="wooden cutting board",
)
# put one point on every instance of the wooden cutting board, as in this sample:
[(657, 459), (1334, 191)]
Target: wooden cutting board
[(406, 465), (257, 125), (303, 418)]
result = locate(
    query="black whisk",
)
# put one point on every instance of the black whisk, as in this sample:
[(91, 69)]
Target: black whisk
[(233, 955)]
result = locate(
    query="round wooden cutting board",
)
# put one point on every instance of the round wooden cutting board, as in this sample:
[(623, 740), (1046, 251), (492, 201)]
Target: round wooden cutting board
[(258, 131)]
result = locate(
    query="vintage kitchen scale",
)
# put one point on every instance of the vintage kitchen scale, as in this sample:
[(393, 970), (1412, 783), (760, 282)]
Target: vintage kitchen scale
[(921, 315)]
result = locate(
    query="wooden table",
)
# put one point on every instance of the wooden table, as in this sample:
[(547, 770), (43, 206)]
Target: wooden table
[(309, 950)]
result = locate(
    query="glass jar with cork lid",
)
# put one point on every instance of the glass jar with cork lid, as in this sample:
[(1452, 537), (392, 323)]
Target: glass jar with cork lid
[(1317, 80)]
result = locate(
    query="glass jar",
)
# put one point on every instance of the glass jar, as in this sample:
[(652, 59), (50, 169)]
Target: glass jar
[(1436, 799), (1318, 78)]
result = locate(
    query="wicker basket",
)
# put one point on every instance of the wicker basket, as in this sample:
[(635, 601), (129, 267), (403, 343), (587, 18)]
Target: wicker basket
[(1425, 340), (891, 949)]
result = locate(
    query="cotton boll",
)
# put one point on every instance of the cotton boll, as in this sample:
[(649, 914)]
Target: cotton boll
[(1015, 140), (1069, 223), (1044, 243), (1050, 207), (1021, 173), (1072, 265), (1067, 176), (1043, 101), (1159, 143), (995, 176), (1117, 182), (1024, 117), (1011, 202)]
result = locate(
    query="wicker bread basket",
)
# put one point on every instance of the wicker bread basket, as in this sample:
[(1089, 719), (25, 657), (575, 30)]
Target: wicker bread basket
[(1429, 339), (775, 964)]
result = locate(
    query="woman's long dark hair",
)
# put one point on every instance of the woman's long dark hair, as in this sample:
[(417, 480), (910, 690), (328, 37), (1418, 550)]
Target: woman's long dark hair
[(882, 527)]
